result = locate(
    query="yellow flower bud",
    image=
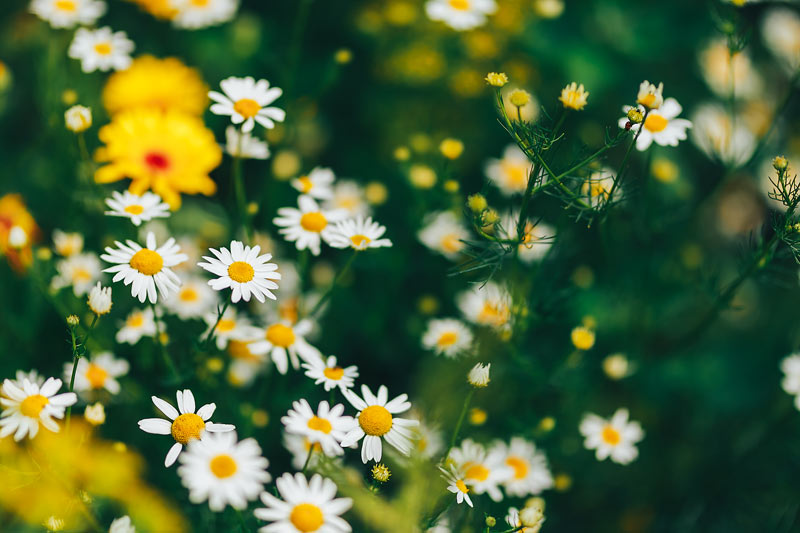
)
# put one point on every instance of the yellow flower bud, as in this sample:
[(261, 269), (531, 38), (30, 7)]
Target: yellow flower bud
[(496, 79), (519, 97), (477, 203)]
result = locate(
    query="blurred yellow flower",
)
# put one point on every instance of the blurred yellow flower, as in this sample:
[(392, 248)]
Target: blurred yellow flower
[(582, 338), (664, 170), (376, 193), (15, 220), (496, 79), (477, 416), (422, 176), (573, 96), (162, 9), (451, 148)]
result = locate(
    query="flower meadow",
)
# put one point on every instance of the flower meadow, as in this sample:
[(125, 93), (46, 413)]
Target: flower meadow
[(412, 266)]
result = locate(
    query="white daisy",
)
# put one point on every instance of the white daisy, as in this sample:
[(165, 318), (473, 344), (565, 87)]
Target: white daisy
[(244, 145), (359, 234), (460, 14), (80, 271), (284, 342), (193, 300), (308, 225), (33, 376), (305, 506), (447, 336), (316, 183), (375, 420), (597, 186), (483, 472), (26, 405), (615, 437), (137, 208), (728, 141), (531, 475), (67, 244), (299, 446), (139, 323), (327, 372), (537, 240), (428, 441), (245, 101), (195, 14), (780, 29), (486, 305), (444, 233), (456, 484), (224, 472), (99, 373), (661, 125), (350, 197), (649, 95), (724, 72), (68, 13), (242, 270), (145, 268), (101, 49), (790, 367), (231, 326), (327, 426), (185, 425), (509, 174)]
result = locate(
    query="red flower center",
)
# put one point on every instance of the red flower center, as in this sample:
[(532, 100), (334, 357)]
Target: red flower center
[(156, 161)]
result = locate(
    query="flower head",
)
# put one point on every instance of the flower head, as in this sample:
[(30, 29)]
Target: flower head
[(460, 15), (650, 96), (519, 97), (245, 100), (359, 234), (660, 126), (26, 405), (99, 373), (574, 96), (68, 13), (242, 270), (196, 14), (329, 374), (317, 183), (327, 426), (101, 49), (479, 375), (78, 118), (496, 79), (444, 233), (137, 208), (307, 225), (615, 437), (447, 336), (456, 484)]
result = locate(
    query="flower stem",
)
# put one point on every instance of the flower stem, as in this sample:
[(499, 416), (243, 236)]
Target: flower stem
[(75, 357), (220, 313), (623, 167), (308, 457), (456, 430), (333, 285)]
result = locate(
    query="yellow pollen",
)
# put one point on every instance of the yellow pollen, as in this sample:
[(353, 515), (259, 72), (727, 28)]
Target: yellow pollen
[(241, 350), (147, 262), (134, 209), (375, 420), (103, 49), (135, 321), (460, 485), (223, 466), (187, 427), (305, 183), (460, 5), (241, 271), (335, 373), (315, 222), (81, 274), (519, 465), (33, 405), (477, 472), (188, 294), (96, 376), (319, 424), (611, 436), (655, 123), (65, 5), (360, 241), (280, 335), (447, 339), (247, 107), (306, 517)]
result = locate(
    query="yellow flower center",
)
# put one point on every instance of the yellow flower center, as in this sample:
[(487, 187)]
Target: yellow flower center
[(188, 294), (96, 376), (451, 243), (225, 324), (519, 465), (147, 262), (315, 222), (647, 100), (495, 314), (81, 274), (65, 5), (611, 436), (241, 271), (360, 241), (199, 3), (223, 466), (447, 339), (655, 123), (375, 420), (319, 424), (477, 472), (241, 350), (460, 5), (335, 373), (187, 427), (247, 107), (516, 175), (103, 49), (134, 209), (306, 517), (33, 405), (280, 335), (460, 485), (135, 321), (305, 183)]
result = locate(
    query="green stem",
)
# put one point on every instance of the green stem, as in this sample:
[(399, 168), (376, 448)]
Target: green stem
[(332, 287), (456, 430), (242, 522), (220, 313), (75, 358), (308, 457), (622, 166), (164, 355)]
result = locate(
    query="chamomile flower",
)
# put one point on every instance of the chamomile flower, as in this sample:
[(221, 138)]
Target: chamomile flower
[(661, 126), (486, 305), (33, 376), (122, 525), (242, 270), (509, 174), (80, 271), (329, 374), (101, 49), (729, 141), (99, 373), (317, 183), (375, 421), (139, 323), (184, 424), (308, 225), (350, 197), (428, 441), (483, 472), (447, 336), (444, 233), (304, 506), (299, 446), (145, 268), (245, 100), (456, 484), (327, 426), (531, 475), (790, 366), (196, 14), (460, 15), (537, 239), (359, 234), (597, 187), (68, 13), (137, 208), (194, 299), (223, 471), (780, 29), (26, 405), (574, 96), (67, 244), (615, 437), (244, 145), (284, 342), (650, 96), (231, 326)]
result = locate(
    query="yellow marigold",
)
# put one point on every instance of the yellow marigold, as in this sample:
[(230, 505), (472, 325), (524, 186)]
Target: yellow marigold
[(170, 153), (152, 82), (18, 231)]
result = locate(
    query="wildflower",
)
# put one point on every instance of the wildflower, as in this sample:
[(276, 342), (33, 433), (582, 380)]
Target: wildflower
[(299, 446), (477, 416), (26, 405), (487, 305), (193, 14), (359, 234), (422, 176), (713, 131), (244, 145), (145, 269), (536, 239), (185, 425), (616, 366), (573, 96), (444, 233), (479, 375), (122, 525), (660, 126), (193, 300), (67, 244), (78, 118), (635, 115), (381, 473), (477, 203), (348, 196), (169, 152), (282, 339), (95, 414), (447, 336), (451, 148), (223, 471), (375, 420), (376, 193), (582, 338), (308, 225), (135, 207), (597, 187), (531, 475), (650, 96), (69, 13), (519, 97), (615, 437), (456, 484), (316, 184), (242, 270), (139, 323), (790, 366), (73, 321), (531, 517), (101, 49), (510, 173), (325, 371), (80, 271), (460, 15), (496, 79), (245, 101), (490, 521), (230, 326), (304, 506), (483, 472), (780, 29), (780, 163), (327, 426), (99, 373), (725, 71)]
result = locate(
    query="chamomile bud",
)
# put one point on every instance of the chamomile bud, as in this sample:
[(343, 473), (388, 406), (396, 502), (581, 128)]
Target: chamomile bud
[(574, 96), (635, 115), (78, 118), (519, 97), (381, 473), (477, 203), (491, 521), (100, 299), (73, 321), (479, 375), (95, 414), (780, 163), (490, 217), (497, 79)]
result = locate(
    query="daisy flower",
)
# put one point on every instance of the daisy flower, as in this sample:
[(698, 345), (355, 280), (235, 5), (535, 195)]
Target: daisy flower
[(460, 14), (184, 425), (137, 208), (509, 174), (195, 14), (615, 437), (537, 239), (67, 244), (428, 441), (661, 126), (447, 336), (483, 472), (224, 472), (304, 506), (514, 518), (230, 327), (731, 142), (26, 405), (316, 184), (33, 376), (375, 420), (349, 196), (101, 49), (299, 446), (145, 268), (68, 13), (531, 475), (139, 323), (284, 342), (486, 305), (244, 145), (444, 233), (780, 29), (81, 271), (329, 374), (597, 187), (790, 367), (724, 72), (359, 234), (193, 300), (245, 101), (650, 96), (327, 426), (456, 484), (99, 373), (308, 225), (242, 270)]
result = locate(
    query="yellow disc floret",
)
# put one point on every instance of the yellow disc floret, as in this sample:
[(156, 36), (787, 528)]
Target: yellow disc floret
[(223, 466), (33, 405), (247, 107), (147, 262), (280, 335), (187, 427), (314, 222), (306, 517), (241, 271), (611, 436), (96, 375), (335, 373), (375, 420), (319, 424)]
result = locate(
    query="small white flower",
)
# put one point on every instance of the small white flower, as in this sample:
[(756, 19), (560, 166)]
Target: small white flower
[(486, 305), (122, 524), (78, 118), (537, 240), (67, 244), (95, 414), (139, 323), (68, 13), (244, 145), (615, 437), (99, 373), (510, 174), (137, 208), (327, 372), (193, 300), (650, 96), (531, 475), (316, 184), (661, 126), (597, 187), (246, 101), (790, 366), (483, 472), (781, 31), (728, 141), (460, 15), (26, 405), (299, 446), (307, 225), (230, 327), (456, 484), (447, 336), (194, 14), (80, 271), (350, 197), (359, 234), (284, 342), (327, 426), (444, 233), (242, 270), (101, 49), (479, 375)]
